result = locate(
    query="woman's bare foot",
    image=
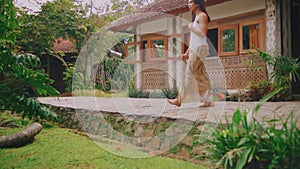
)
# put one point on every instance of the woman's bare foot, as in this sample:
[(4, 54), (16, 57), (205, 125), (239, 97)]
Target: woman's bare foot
[(221, 96), (174, 102), (207, 104)]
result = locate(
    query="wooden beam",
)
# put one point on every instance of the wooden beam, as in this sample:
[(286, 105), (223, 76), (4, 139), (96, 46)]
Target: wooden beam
[(215, 2)]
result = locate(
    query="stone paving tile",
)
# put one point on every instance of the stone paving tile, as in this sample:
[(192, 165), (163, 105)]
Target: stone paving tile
[(160, 107)]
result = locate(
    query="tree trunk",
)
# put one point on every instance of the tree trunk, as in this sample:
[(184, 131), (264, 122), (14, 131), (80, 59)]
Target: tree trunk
[(22, 138)]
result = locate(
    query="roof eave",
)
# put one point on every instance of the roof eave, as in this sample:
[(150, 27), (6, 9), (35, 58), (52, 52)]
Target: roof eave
[(123, 27)]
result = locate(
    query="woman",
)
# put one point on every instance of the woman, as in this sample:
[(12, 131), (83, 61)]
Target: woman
[(196, 85)]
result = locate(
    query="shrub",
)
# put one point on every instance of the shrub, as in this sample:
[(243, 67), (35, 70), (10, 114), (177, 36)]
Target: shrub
[(247, 143), (19, 77), (105, 85), (170, 93), (165, 93), (256, 91), (238, 96), (138, 93)]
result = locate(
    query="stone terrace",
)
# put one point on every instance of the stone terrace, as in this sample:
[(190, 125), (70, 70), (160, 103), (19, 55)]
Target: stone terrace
[(160, 108)]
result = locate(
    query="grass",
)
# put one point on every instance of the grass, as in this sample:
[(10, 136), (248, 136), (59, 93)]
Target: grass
[(59, 148), (5, 131)]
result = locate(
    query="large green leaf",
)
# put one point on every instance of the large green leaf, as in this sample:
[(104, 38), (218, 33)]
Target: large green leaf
[(243, 158), (237, 116), (266, 98)]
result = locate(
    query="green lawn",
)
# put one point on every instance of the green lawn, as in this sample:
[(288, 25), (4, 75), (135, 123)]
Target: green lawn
[(60, 148)]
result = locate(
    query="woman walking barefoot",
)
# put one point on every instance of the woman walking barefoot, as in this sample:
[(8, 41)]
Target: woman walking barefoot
[(196, 80)]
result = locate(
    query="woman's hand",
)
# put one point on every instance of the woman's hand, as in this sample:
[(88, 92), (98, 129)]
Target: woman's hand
[(190, 26), (185, 57)]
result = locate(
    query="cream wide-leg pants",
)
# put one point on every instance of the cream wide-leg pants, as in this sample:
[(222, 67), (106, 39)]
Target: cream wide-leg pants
[(196, 84)]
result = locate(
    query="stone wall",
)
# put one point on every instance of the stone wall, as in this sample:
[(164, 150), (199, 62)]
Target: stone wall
[(106, 124)]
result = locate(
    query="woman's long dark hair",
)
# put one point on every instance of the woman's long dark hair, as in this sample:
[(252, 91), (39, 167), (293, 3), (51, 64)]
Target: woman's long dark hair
[(201, 6)]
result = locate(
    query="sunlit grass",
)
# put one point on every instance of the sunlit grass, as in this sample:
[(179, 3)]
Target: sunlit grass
[(60, 148), (5, 132), (7, 120)]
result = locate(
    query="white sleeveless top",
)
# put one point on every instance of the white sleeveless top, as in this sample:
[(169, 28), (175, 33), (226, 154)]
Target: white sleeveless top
[(196, 40)]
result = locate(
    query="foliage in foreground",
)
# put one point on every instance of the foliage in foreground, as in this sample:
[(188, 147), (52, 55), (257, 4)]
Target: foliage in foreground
[(19, 80), (247, 143)]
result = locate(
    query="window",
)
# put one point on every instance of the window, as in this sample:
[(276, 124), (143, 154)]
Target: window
[(251, 35), (238, 38), (133, 52), (143, 50), (212, 40), (154, 47), (151, 48), (228, 42), (186, 40)]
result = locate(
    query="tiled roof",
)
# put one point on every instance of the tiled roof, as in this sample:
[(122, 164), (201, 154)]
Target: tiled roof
[(155, 9), (164, 6), (64, 45)]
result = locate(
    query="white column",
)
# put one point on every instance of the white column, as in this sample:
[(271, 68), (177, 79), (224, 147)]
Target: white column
[(271, 40), (171, 53), (270, 25), (180, 66), (138, 66)]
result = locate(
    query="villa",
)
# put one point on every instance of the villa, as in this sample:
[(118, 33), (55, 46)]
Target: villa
[(237, 27)]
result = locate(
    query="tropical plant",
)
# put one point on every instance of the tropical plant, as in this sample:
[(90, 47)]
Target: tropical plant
[(18, 78), (71, 77), (285, 69), (68, 76), (283, 144), (110, 70), (246, 143), (122, 75)]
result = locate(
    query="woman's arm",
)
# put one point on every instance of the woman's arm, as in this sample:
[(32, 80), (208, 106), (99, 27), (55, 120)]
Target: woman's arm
[(202, 29), (187, 51), (185, 56)]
